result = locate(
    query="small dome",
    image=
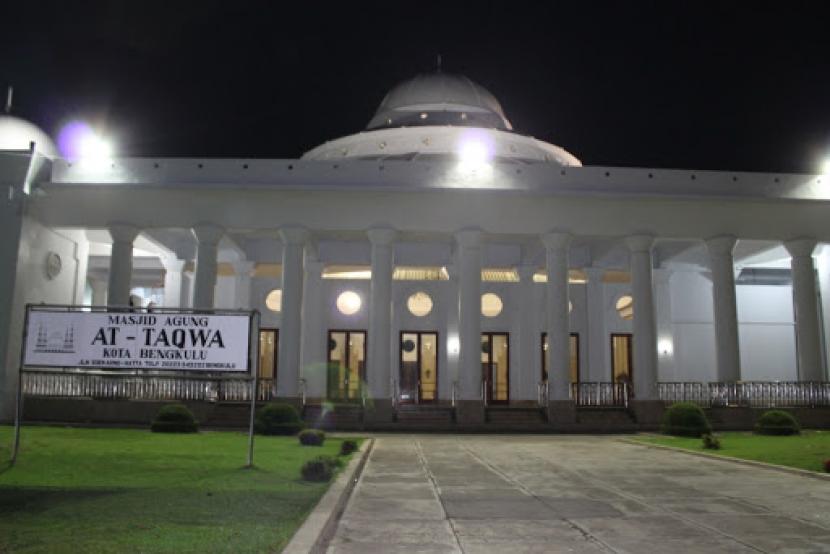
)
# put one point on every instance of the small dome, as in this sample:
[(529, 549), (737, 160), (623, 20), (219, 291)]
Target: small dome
[(439, 99), (17, 134)]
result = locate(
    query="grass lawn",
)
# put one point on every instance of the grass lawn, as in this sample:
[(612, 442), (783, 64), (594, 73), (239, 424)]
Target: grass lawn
[(118, 490), (805, 451)]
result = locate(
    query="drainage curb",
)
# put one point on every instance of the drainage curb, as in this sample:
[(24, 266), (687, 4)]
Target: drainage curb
[(317, 530), (751, 463)]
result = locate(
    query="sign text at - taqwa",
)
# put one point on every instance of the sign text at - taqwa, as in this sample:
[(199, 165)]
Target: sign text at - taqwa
[(117, 340)]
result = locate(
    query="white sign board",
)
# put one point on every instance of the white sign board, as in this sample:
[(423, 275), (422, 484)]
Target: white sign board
[(154, 341)]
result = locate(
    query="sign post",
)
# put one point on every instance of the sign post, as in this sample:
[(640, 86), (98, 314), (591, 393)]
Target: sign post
[(137, 341)]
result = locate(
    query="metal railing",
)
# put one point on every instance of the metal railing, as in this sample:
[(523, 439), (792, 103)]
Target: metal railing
[(753, 394), (598, 394), (484, 392), (542, 393), (302, 384), (454, 393), (121, 386)]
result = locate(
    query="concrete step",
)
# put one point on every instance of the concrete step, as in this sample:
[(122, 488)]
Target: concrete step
[(514, 416), (424, 414)]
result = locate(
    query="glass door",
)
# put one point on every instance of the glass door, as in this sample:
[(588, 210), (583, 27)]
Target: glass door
[(347, 365), (267, 372), (621, 368), (495, 366), (419, 367)]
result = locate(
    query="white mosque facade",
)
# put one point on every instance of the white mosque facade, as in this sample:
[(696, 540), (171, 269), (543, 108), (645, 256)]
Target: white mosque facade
[(440, 260)]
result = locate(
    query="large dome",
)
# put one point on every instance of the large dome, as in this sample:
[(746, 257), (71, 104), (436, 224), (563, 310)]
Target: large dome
[(17, 134), (439, 99)]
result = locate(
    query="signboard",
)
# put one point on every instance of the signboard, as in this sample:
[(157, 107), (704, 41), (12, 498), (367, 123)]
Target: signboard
[(161, 341)]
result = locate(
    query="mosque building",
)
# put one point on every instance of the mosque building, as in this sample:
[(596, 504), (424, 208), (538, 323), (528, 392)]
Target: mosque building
[(438, 269)]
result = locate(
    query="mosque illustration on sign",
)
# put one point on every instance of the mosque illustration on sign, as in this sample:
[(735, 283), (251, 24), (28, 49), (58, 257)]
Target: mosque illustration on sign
[(437, 270), (55, 342)]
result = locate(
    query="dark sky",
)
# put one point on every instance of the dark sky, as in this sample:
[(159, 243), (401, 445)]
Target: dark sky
[(707, 85)]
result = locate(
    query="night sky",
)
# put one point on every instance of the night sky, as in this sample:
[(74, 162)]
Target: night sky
[(705, 85)]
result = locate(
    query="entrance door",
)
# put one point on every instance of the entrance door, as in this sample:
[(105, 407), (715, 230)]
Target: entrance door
[(621, 368), (347, 365), (419, 367), (495, 366), (573, 343), (268, 346)]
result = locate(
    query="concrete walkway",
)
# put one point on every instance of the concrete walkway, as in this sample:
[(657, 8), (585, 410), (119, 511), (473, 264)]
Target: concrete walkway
[(518, 494)]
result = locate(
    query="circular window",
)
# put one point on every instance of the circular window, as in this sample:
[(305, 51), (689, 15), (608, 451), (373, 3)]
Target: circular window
[(348, 303), (625, 307), (419, 304), (491, 304), (274, 300)]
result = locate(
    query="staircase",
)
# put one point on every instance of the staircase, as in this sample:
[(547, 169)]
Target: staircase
[(424, 416), (512, 417), (334, 417)]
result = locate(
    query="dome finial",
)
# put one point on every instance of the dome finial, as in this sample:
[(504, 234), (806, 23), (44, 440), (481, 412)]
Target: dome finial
[(9, 93)]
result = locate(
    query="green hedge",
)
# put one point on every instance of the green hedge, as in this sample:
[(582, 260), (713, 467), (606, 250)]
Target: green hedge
[(319, 469), (777, 422), (685, 419), (174, 418), (312, 437), (347, 447), (277, 419)]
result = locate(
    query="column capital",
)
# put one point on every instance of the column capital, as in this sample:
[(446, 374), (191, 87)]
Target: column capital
[(382, 236), (721, 245), (294, 234), (244, 268), (469, 238), (123, 232), (556, 240), (172, 263), (801, 247), (207, 233), (639, 243)]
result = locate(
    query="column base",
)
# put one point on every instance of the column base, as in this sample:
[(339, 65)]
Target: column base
[(648, 413), (561, 412), (379, 410), (469, 412)]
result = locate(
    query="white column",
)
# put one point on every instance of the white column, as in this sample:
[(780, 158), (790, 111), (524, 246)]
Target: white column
[(644, 355), (469, 314), (242, 284), (121, 263), (725, 307), (99, 292), (556, 304), (314, 353), (597, 368), (288, 359), (805, 304), (204, 282), (529, 337), (379, 362), (173, 268)]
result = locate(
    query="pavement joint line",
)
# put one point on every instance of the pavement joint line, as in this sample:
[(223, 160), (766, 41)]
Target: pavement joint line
[(436, 489), (723, 458), (321, 523), (675, 514), (518, 484)]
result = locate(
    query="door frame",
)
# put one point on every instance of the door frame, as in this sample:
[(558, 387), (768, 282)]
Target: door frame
[(630, 338), (488, 390), (437, 363), (361, 372)]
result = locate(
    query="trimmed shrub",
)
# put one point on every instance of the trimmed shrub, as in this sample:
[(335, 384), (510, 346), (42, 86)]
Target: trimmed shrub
[(827, 465), (711, 442), (311, 437), (777, 422), (319, 469), (277, 419), (347, 447), (174, 418), (685, 419)]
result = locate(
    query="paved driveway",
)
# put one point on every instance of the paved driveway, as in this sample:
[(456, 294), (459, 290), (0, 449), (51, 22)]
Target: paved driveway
[(517, 494)]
